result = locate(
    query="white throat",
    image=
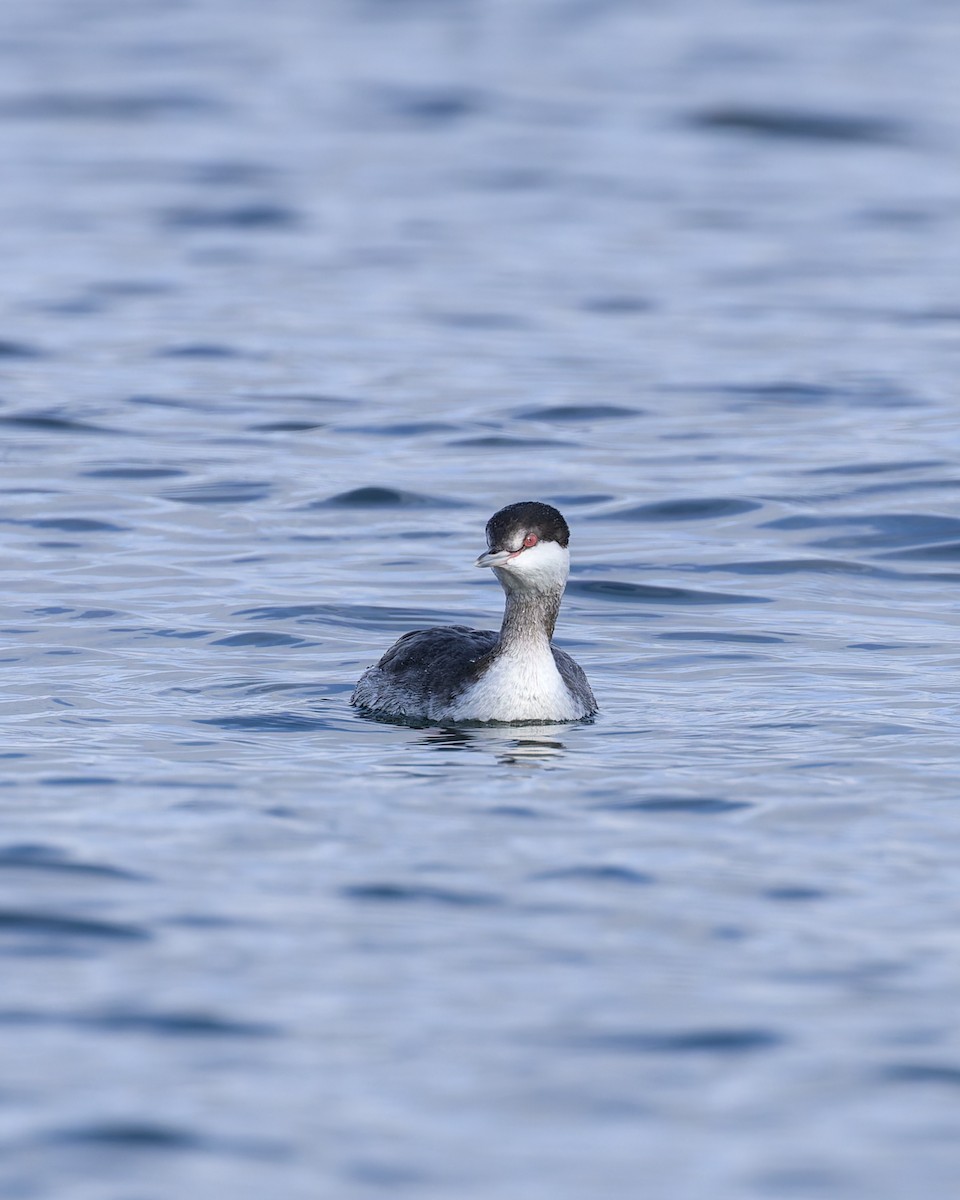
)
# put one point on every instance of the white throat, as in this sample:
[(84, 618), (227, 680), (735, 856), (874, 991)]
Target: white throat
[(543, 568), (522, 682)]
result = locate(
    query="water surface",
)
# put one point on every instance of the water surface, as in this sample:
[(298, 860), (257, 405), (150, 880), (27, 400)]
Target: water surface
[(292, 302)]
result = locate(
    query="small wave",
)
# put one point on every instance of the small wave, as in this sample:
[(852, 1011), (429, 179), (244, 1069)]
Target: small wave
[(794, 894), (397, 893), (401, 429), (373, 496), (696, 509), (571, 498), (154, 1137), (903, 485), (936, 552), (877, 530), (799, 566), (260, 638), (176, 1024), (200, 350), (63, 926), (865, 393), (617, 306), (52, 422), (935, 1073), (702, 806), (169, 1024), (727, 1042), (127, 1135), (877, 468), (647, 593), (801, 124), (11, 349), (227, 491), (428, 106), (185, 634), (133, 289), (247, 217), (362, 615), (133, 472), (502, 441), (46, 859), (602, 873), (561, 413), (483, 321), (271, 722), (110, 106), (286, 427), (719, 635)]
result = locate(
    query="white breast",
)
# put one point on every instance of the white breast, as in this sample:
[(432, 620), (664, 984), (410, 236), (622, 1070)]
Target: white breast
[(521, 684)]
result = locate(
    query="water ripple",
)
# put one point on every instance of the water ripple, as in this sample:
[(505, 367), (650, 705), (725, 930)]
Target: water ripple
[(363, 615), (374, 496), (718, 635), (804, 124), (226, 491), (562, 413), (261, 639), (801, 566), (64, 926), (647, 593), (111, 106), (397, 893), (698, 806), (244, 217), (134, 472), (268, 722), (699, 509), (163, 1024), (11, 349), (52, 422), (601, 873), (937, 552), (71, 524), (877, 530), (46, 859), (933, 1073), (725, 1042), (155, 1137)]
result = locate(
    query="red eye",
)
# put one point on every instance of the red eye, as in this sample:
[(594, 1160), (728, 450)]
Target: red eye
[(530, 540)]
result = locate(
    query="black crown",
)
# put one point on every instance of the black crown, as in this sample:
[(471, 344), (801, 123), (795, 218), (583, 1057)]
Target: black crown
[(507, 528)]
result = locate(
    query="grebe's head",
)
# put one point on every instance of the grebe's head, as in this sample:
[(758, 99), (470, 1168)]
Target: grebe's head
[(528, 547)]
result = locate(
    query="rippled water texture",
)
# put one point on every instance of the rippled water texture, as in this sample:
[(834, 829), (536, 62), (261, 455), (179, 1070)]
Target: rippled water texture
[(294, 296)]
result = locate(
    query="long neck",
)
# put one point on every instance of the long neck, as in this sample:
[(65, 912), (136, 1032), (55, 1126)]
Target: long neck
[(529, 616)]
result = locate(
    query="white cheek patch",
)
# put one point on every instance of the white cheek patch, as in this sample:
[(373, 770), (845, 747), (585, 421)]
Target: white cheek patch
[(544, 566)]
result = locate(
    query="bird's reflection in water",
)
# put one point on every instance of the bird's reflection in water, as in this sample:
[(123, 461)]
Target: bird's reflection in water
[(448, 739), (509, 749), (531, 752)]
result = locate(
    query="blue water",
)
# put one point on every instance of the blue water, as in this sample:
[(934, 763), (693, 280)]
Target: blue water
[(293, 298)]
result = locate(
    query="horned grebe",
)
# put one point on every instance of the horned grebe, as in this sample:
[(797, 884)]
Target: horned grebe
[(452, 673)]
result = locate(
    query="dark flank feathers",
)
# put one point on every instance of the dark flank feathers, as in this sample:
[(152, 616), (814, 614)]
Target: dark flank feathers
[(426, 668)]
